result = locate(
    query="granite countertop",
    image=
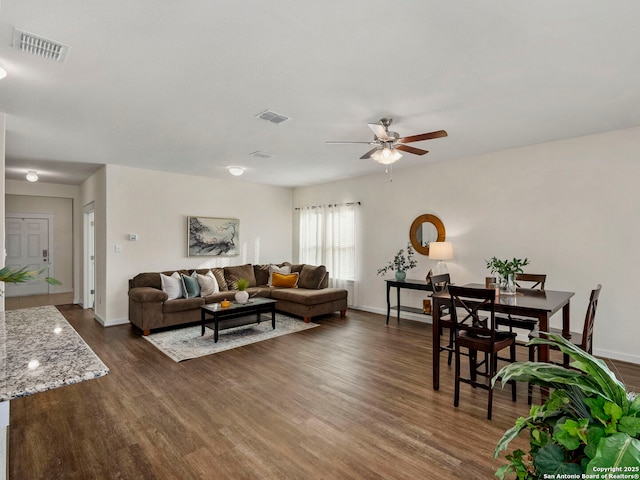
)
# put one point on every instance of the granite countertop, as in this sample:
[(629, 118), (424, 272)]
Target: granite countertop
[(40, 351)]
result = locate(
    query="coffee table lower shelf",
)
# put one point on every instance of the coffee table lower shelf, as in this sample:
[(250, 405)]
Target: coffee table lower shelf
[(236, 314)]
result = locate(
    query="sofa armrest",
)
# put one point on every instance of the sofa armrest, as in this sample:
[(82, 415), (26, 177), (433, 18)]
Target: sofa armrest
[(147, 294)]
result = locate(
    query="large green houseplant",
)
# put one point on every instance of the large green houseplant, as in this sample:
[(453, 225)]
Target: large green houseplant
[(20, 275), (589, 425)]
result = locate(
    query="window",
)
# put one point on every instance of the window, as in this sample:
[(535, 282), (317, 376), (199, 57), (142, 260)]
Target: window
[(328, 237)]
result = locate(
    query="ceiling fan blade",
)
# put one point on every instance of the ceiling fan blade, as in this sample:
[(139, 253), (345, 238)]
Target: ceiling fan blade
[(369, 153), (414, 150), (424, 136), (378, 131), (348, 143)]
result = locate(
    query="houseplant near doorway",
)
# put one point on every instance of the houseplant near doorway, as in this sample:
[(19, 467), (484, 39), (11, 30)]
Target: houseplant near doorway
[(588, 427), (400, 263), (21, 275), (507, 270)]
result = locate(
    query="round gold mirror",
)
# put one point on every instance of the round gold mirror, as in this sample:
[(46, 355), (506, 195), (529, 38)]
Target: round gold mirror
[(424, 230)]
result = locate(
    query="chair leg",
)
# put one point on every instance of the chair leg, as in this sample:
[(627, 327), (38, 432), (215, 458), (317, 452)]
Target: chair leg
[(456, 393), (451, 340), (492, 370), (513, 383), (532, 358), (473, 365)]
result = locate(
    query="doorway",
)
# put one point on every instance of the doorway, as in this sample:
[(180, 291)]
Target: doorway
[(28, 240)]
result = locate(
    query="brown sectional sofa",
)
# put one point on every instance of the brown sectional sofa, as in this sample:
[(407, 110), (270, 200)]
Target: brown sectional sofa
[(150, 308)]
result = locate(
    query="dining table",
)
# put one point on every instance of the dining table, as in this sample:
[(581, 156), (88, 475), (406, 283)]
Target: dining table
[(539, 304)]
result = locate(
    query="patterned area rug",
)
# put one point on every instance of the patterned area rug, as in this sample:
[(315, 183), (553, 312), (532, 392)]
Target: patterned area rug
[(185, 343)]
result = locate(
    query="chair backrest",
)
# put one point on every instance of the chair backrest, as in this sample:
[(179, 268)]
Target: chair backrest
[(470, 301), (440, 283), (589, 319), (536, 279)]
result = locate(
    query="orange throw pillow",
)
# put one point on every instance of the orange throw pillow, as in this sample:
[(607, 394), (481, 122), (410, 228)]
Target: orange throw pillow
[(289, 280)]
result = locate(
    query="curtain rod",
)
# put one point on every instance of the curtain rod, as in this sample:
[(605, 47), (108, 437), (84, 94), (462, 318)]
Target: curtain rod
[(348, 204)]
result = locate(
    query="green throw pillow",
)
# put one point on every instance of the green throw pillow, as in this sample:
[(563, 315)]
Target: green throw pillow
[(190, 285)]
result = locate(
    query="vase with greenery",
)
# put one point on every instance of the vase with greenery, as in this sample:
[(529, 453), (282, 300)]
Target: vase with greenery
[(242, 295), (400, 263), (507, 270), (21, 275), (589, 426)]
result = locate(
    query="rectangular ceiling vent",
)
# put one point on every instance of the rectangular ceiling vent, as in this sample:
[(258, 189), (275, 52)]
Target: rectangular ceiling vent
[(260, 154), (39, 46), (273, 117)]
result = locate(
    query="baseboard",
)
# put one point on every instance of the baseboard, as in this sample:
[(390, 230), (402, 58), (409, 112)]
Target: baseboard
[(110, 323), (394, 314), (617, 356)]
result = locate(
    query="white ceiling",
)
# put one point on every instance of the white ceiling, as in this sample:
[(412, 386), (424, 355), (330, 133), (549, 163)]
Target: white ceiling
[(175, 86)]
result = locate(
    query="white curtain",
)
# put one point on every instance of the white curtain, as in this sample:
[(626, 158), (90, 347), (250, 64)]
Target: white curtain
[(328, 237)]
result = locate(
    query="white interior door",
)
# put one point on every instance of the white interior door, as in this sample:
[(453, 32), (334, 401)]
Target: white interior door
[(27, 243)]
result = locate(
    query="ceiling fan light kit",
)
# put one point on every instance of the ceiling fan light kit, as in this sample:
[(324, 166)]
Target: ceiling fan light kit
[(387, 143), (386, 155)]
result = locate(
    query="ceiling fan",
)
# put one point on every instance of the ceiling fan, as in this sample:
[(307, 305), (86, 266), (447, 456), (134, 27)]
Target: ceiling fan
[(388, 143)]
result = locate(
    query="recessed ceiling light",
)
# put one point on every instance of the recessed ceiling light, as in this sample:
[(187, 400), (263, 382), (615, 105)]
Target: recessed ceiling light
[(32, 176), (236, 171), (3, 73)]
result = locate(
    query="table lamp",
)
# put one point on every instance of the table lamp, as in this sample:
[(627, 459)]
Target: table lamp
[(440, 251)]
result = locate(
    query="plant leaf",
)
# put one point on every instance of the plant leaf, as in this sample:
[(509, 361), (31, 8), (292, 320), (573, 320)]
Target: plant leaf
[(618, 450), (550, 460)]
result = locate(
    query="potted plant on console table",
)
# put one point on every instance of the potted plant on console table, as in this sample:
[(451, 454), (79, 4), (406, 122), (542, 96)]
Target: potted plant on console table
[(400, 263)]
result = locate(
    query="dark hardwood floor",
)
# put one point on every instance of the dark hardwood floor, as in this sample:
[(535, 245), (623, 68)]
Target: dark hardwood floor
[(351, 399)]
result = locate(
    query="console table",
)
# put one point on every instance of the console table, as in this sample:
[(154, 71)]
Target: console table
[(409, 285)]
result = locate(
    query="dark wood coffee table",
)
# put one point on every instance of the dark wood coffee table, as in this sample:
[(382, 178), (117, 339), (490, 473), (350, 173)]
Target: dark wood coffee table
[(236, 314)]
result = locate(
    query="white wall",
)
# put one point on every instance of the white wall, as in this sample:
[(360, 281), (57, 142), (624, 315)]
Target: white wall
[(155, 206), (2, 239), (569, 206)]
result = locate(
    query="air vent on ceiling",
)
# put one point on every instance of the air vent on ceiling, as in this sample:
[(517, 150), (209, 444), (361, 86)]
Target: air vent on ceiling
[(273, 117), (260, 154), (39, 46)]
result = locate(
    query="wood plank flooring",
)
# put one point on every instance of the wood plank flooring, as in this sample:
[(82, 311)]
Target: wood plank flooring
[(351, 399)]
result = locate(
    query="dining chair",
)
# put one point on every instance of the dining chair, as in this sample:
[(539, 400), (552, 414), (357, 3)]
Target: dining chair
[(440, 283), (583, 340), (476, 335), (523, 280)]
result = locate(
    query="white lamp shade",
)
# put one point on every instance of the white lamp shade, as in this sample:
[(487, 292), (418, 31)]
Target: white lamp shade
[(440, 251)]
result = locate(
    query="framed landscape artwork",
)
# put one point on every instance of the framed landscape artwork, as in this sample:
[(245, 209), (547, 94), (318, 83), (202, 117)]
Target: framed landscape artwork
[(212, 237)]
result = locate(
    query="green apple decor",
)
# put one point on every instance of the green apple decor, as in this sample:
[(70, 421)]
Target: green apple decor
[(589, 427)]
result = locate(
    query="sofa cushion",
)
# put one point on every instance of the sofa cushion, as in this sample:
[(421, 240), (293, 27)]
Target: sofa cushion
[(208, 283), (172, 285), (190, 285), (308, 297), (287, 280), (235, 273), (277, 269), (312, 276), (182, 304), (262, 274), (295, 267)]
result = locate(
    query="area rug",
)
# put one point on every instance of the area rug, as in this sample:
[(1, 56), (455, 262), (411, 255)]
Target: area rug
[(185, 343)]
